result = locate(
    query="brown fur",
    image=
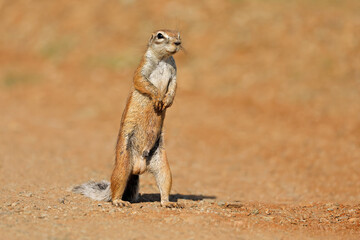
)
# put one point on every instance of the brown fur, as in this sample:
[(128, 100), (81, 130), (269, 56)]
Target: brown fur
[(140, 139)]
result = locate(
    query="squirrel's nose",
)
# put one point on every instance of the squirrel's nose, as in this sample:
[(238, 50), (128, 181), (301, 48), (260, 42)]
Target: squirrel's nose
[(177, 43)]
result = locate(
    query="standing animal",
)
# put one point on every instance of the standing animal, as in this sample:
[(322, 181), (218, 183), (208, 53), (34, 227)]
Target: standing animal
[(140, 143)]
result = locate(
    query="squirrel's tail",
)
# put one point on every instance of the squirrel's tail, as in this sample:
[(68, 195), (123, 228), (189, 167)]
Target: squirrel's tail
[(96, 190)]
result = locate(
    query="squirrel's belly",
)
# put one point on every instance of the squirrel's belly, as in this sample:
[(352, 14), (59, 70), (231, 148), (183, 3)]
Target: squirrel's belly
[(149, 131), (144, 124), (161, 76), (144, 138)]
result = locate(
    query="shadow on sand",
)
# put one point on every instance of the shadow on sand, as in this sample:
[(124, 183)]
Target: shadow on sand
[(155, 197)]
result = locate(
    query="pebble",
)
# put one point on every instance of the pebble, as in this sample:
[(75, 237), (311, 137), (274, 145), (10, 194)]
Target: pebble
[(61, 200), (267, 218), (343, 218), (26, 194), (353, 220), (234, 205), (323, 220), (36, 207), (255, 212)]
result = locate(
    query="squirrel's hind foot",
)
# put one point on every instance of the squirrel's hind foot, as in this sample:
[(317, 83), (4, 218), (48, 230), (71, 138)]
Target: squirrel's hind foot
[(121, 203), (171, 205)]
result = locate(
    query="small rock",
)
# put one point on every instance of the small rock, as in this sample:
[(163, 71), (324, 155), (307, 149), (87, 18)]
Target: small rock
[(332, 206), (255, 212), (353, 220), (343, 218), (43, 215), (36, 207), (14, 204), (221, 203), (323, 220), (26, 194), (267, 218), (61, 200), (234, 205)]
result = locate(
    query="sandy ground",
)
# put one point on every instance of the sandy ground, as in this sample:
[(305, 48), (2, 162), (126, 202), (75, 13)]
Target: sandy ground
[(263, 138)]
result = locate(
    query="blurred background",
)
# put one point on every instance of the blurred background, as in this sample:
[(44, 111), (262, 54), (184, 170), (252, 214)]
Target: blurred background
[(267, 107)]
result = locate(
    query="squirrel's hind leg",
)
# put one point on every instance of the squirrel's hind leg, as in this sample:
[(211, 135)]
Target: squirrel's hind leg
[(120, 177), (159, 166)]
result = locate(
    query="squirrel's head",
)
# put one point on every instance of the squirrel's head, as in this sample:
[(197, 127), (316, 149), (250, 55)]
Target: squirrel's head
[(165, 42)]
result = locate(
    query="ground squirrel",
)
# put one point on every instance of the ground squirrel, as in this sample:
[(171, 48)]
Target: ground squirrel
[(140, 144)]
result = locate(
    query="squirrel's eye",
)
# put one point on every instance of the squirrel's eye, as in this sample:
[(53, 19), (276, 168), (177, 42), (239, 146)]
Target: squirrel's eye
[(160, 36)]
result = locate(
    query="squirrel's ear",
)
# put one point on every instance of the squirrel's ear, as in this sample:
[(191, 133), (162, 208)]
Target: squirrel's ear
[(151, 38)]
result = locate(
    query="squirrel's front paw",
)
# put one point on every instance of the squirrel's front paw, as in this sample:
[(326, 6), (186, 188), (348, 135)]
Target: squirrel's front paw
[(158, 104), (121, 203), (167, 102)]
